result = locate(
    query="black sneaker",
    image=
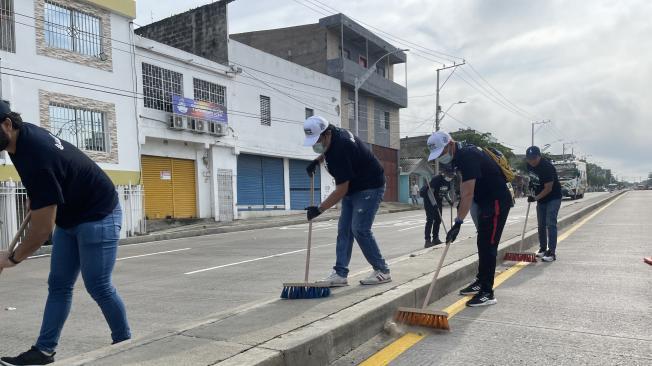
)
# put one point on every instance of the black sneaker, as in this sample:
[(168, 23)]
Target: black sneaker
[(549, 257), (482, 299), (471, 289), (541, 253), (33, 357), (428, 244), (437, 242)]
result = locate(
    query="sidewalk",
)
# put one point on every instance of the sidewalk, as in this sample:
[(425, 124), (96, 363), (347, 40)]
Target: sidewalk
[(308, 332)]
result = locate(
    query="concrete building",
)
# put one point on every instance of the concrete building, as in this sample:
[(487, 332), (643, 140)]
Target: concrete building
[(340, 47), (222, 122)]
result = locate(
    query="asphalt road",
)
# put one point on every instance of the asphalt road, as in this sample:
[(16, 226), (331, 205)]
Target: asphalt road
[(179, 281), (590, 307)]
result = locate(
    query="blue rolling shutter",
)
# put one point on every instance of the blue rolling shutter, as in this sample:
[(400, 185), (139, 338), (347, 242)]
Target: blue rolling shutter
[(250, 183), (300, 185), (273, 183)]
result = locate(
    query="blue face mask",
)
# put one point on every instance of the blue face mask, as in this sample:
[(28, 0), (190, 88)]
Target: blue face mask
[(318, 148), (445, 159)]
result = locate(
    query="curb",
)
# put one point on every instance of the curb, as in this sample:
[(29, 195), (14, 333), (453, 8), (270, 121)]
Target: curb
[(324, 341)]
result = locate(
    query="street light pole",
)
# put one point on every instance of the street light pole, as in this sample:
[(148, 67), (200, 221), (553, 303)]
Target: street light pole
[(537, 123), (360, 80), (437, 106)]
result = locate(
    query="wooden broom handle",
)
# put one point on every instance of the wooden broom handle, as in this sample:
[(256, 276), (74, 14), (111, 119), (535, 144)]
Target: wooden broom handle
[(20, 231), (312, 203)]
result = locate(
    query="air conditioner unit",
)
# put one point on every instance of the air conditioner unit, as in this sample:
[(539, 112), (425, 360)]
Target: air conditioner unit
[(217, 129), (197, 125), (177, 122)]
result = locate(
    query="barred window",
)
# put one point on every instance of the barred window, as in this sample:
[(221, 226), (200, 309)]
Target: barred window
[(7, 27), (159, 85), (209, 92), (309, 112), (387, 120), (84, 128), (70, 29), (265, 111)]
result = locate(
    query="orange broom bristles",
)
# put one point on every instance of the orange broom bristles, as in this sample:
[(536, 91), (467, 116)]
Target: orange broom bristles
[(521, 257), (423, 318)]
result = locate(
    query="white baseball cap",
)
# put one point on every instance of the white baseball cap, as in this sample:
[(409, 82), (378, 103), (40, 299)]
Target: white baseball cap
[(437, 143), (313, 127)]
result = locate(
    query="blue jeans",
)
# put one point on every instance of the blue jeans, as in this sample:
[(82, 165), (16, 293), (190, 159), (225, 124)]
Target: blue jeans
[(90, 248), (547, 213), (357, 217)]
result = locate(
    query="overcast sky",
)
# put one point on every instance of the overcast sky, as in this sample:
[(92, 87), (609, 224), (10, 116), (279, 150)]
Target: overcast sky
[(584, 65)]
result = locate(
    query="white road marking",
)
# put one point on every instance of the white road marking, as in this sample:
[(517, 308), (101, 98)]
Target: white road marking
[(410, 228), (256, 259), (150, 254)]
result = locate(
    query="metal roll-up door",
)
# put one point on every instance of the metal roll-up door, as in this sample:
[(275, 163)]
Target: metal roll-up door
[(170, 187), (273, 183), (250, 183), (300, 185)]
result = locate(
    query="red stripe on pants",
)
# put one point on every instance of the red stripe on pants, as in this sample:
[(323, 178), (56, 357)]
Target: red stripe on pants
[(496, 215)]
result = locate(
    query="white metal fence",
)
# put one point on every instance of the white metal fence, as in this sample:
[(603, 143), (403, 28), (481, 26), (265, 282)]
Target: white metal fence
[(13, 207)]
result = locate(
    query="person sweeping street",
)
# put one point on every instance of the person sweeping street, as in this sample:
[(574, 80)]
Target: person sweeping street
[(436, 190), (483, 186), (547, 195), (67, 189), (360, 185)]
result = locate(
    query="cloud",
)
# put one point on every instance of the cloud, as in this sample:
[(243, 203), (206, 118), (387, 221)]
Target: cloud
[(582, 64)]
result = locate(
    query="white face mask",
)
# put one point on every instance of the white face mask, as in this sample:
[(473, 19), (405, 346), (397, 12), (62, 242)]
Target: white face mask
[(318, 148), (446, 158)]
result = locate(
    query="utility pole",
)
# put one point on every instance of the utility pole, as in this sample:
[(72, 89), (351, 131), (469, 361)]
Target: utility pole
[(537, 123), (437, 106)]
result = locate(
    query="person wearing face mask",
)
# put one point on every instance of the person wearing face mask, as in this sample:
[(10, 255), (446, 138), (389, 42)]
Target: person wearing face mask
[(360, 185), (483, 188), (67, 189), (432, 194)]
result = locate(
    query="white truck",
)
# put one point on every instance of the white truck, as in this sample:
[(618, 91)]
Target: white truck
[(572, 177)]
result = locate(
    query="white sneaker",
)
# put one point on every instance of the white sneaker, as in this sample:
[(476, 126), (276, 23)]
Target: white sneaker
[(541, 253), (376, 278), (334, 280)]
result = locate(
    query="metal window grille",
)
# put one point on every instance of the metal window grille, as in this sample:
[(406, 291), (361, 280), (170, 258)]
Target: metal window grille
[(387, 120), (309, 112), (159, 85), (265, 111), (70, 29), (84, 128), (7, 27), (209, 92)]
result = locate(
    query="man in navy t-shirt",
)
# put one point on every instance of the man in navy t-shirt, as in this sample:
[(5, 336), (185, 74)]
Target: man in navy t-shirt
[(484, 191), (67, 189), (547, 195), (360, 185)]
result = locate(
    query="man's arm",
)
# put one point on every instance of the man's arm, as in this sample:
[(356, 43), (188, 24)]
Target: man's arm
[(41, 226), (335, 197), (466, 198), (547, 188)]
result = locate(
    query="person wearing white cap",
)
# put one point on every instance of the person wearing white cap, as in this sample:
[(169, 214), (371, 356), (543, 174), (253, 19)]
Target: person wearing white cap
[(360, 185), (485, 188)]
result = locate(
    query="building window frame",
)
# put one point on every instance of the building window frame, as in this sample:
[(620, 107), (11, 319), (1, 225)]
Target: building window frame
[(209, 92), (362, 61), (7, 26), (85, 128), (159, 85), (73, 30), (265, 110), (387, 120)]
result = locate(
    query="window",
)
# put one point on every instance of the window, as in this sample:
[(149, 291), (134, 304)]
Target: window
[(7, 30), (362, 61), (159, 85), (347, 54), (209, 92), (265, 111), (380, 70), (84, 128), (72, 30), (309, 112), (387, 120)]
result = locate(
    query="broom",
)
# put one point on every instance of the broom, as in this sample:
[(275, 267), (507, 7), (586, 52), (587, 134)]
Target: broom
[(520, 256), (306, 290), (424, 317), (19, 233)]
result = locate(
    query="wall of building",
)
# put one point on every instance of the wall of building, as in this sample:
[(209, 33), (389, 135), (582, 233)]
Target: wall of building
[(202, 31), (33, 70)]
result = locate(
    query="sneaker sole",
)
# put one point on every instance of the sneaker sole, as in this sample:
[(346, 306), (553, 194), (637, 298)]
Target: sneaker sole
[(468, 293), (375, 282), (486, 303)]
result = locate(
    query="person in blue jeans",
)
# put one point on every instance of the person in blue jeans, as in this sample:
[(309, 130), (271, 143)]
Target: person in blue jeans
[(70, 194), (360, 186), (547, 195)]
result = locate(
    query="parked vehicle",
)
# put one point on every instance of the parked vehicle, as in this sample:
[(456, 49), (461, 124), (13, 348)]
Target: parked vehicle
[(572, 177)]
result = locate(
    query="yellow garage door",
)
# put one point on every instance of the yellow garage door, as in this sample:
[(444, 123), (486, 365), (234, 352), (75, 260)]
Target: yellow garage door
[(170, 187)]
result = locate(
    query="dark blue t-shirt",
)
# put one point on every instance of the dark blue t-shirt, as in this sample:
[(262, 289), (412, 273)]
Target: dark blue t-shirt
[(349, 159), (546, 173), (55, 172), (490, 183)]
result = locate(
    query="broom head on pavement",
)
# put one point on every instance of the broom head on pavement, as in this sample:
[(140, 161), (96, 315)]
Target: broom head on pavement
[(521, 257), (305, 290), (423, 318)]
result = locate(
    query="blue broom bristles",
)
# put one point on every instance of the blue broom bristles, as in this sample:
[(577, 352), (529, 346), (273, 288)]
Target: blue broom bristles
[(304, 292)]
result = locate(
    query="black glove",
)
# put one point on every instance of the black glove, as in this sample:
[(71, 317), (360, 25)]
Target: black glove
[(312, 167), (313, 211), (531, 199), (454, 231)]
